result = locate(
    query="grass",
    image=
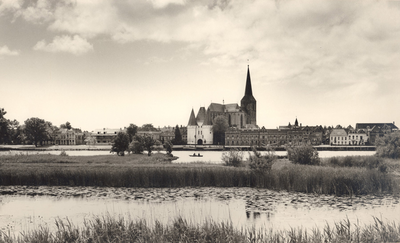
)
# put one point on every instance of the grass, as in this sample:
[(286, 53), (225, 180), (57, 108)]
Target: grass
[(157, 171), (111, 229)]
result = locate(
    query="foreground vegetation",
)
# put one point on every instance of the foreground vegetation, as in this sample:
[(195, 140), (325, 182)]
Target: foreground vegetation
[(157, 171), (109, 229)]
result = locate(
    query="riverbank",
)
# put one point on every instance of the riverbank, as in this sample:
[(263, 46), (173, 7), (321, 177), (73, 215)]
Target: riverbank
[(105, 147), (158, 171), (241, 209)]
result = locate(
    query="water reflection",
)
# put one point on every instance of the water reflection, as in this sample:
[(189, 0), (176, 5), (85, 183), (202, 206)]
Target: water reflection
[(275, 210)]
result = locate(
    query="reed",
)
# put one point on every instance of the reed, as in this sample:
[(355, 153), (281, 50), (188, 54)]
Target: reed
[(111, 229), (114, 171)]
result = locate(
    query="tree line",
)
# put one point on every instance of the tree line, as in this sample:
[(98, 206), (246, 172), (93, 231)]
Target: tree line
[(33, 131)]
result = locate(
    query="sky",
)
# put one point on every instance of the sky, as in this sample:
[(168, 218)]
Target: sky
[(107, 64)]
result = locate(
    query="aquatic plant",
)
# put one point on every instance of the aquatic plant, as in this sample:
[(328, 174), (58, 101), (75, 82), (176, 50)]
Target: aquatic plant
[(119, 229), (157, 171), (233, 157)]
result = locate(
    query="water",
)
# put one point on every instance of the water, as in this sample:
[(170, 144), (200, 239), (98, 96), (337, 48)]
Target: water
[(243, 207), (208, 156)]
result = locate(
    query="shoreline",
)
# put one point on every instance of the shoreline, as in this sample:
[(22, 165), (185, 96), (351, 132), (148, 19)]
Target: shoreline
[(176, 148)]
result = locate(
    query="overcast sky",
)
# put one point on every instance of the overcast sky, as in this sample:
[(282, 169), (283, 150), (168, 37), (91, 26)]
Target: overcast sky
[(106, 63)]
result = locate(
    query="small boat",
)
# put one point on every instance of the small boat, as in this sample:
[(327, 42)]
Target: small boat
[(196, 155)]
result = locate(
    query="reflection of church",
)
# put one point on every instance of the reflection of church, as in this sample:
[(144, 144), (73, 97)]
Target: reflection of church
[(199, 129)]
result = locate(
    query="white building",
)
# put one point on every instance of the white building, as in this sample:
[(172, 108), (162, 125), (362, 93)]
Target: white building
[(199, 129), (339, 137)]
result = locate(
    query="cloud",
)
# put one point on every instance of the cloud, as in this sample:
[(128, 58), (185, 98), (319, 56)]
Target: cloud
[(41, 11), (10, 5), (165, 3), (5, 51), (314, 43), (75, 45)]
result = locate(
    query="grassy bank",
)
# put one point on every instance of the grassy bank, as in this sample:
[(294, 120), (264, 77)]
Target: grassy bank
[(157, 171), (108, 229)]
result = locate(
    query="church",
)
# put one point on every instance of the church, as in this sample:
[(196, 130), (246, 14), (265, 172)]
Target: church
[(199, 129)]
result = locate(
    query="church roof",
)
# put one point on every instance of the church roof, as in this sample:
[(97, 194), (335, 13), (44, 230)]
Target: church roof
[(216, 107), (223, 108), (192, 119)]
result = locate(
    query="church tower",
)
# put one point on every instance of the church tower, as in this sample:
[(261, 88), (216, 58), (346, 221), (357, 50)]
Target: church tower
[(248, 102)]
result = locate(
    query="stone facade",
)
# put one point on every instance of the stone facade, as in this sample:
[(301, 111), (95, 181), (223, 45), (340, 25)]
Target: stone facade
[(106, 135), (273, 137), (199, 129), (69, 137)]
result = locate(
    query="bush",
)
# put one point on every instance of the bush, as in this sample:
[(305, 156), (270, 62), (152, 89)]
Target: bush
[(233, 157), (63, 153), (261, 163), (136, 147), (369, 162), (388, 146), (168, 147), (120, 144), (304, 154)]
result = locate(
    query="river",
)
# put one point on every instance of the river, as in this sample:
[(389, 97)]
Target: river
[(28, 208), (184, 156)]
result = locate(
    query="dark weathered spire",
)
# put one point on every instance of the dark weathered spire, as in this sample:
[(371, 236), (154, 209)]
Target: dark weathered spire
[(192, 119), (249, 91), (207, 120), (296, 123), (201, 116)]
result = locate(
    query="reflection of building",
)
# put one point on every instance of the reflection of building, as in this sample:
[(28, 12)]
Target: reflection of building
[(106, 135), (199, 129)]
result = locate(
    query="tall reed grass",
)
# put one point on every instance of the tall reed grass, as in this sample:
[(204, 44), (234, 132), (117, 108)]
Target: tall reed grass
[(299, 178), (111, 229)]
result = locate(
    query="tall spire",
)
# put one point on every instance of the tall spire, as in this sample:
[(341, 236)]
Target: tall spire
[(192, 119), (248, 90)]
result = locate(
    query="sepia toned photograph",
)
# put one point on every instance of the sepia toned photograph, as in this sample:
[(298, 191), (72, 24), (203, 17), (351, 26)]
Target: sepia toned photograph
[(199, 121)]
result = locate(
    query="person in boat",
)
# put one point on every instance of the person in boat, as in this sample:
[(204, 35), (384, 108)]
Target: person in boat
[(194, 154), (198, 154)]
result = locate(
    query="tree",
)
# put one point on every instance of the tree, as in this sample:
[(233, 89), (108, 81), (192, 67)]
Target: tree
[(178, 136), (52, 131), (148, 143), (388, 146), (136, 146), (220, 126), (168, 147), (148, 127), (303, 154), (158, 145), (67, 125), (4, 127), (36, 130), (15, 132), (131, 131), (120, 144), (261, 163)]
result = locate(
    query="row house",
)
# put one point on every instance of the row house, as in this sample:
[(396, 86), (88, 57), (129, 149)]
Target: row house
[(376, 130), (69, 137), (273, 137), (105, 135), (348, 137)]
